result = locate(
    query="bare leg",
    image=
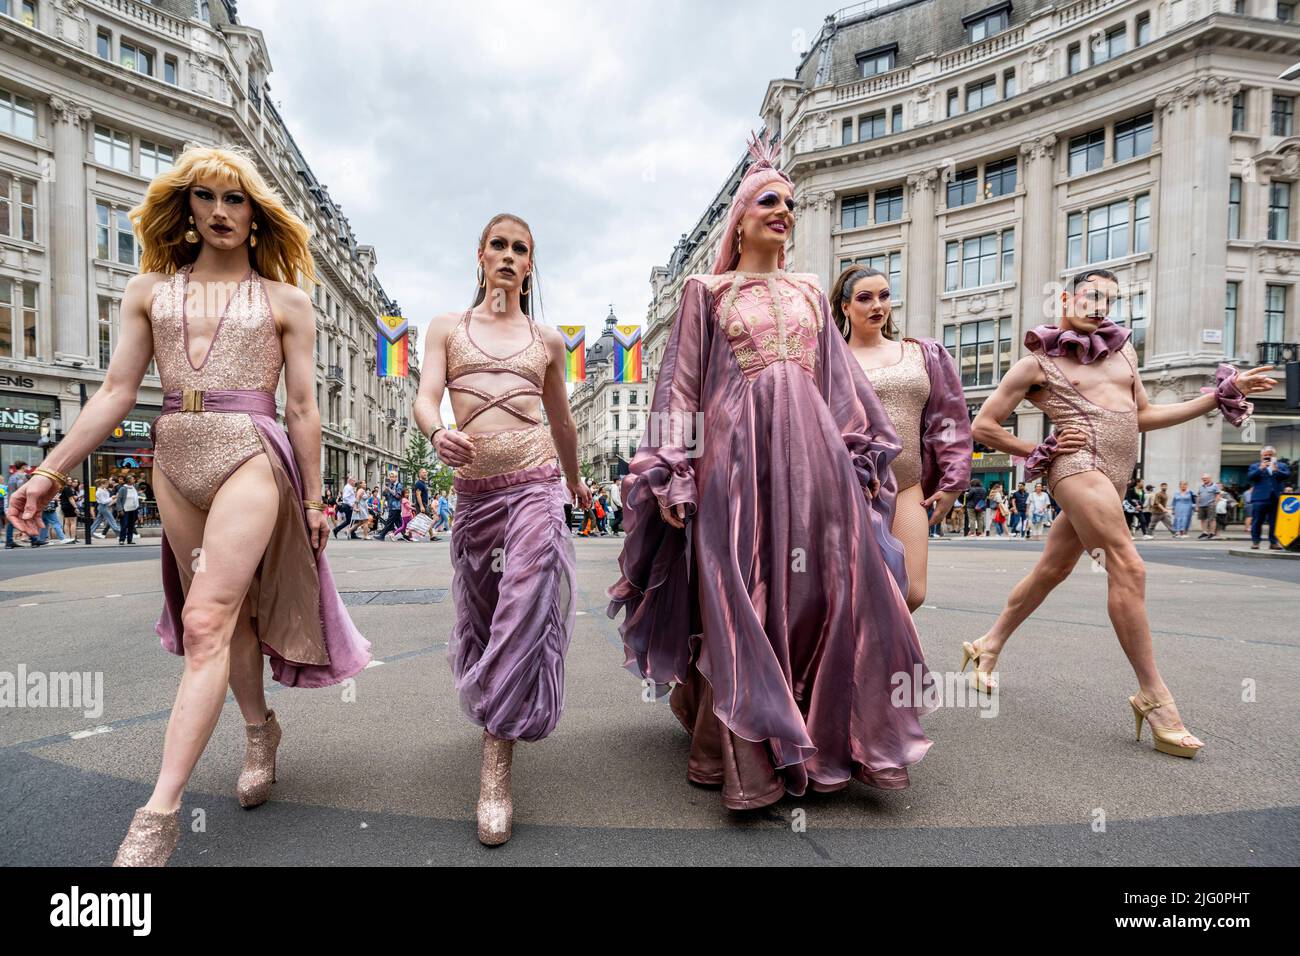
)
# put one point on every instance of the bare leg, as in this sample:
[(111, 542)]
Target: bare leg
[(911, 527), (235, 532), (247, 669), (1098, 519), (1060, 555)]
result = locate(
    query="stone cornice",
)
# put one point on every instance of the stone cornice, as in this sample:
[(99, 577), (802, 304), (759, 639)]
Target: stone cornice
[(1173, 47), (1215, 89)]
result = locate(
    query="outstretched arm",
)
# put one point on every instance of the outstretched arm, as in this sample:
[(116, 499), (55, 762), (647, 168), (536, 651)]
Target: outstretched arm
[(1152, 417)]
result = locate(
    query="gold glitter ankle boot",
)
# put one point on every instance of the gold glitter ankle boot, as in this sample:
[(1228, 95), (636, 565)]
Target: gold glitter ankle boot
[(150, 840), (259, 762), (495, 808)]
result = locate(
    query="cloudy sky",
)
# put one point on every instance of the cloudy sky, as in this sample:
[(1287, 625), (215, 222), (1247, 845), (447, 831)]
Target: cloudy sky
[(608, 127)]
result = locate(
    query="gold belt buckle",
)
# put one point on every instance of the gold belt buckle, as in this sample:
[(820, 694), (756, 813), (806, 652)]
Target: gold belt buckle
[(191, 399)]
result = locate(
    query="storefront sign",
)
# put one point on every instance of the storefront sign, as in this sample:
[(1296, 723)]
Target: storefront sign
[(21, 416), (134, 429)]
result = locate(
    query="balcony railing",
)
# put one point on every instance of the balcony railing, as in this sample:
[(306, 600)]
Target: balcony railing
[(372, 439), (334, 374), (150, 16), (1277, 353), (406, 422), (391, 414)]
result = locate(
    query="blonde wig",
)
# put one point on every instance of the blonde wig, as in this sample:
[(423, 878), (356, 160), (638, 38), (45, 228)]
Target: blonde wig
[(282, 251)]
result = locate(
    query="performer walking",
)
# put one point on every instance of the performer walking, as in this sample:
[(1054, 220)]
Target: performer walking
[(513, 559), (759, 573), (1083, 374), (918, 385), (244, 570)]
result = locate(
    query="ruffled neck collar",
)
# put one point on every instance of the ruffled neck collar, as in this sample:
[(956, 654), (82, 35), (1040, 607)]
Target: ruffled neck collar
[(1087, 347)]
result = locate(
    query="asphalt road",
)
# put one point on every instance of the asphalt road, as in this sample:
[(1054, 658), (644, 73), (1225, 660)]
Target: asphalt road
[(389, 773)]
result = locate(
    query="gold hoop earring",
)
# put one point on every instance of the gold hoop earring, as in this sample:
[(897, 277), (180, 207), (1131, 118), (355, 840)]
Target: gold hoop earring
[(481, 283), (191, 236), (526, 288), (740, 241), (252, 237)]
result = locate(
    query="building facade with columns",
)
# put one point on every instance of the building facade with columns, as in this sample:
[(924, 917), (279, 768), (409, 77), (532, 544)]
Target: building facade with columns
[(981, 153), (609, 415), (96, 98)]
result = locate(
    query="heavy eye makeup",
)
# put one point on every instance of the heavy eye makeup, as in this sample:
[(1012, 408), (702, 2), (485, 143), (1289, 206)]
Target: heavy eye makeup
[(206, 195), (769, 199), (519, 248)]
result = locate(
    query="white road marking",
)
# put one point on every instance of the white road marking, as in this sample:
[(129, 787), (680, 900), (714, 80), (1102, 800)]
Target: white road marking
[(78, 734), (32, 604), (373, 663), (112, 595)]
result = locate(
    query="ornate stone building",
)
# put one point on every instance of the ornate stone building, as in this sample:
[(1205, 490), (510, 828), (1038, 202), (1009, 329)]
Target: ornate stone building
[(981, 153), (610, 416), (97, 97)]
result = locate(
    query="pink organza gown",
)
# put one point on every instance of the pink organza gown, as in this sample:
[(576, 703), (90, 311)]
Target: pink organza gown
[(778, 612)]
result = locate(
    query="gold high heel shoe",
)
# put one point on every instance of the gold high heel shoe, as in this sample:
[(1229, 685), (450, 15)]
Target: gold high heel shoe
[(984, 681), (495, 808), (150, 840), (254, 786), (1166, 741)]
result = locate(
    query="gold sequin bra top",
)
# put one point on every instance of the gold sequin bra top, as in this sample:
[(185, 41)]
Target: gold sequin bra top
[(464, 357)]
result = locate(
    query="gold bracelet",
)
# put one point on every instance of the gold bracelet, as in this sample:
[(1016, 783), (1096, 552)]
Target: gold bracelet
[(54, 476), (313, 504)]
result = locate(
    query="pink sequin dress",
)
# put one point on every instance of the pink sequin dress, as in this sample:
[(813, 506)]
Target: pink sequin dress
[(1112, 433), (923, 397), (199, 450), (216, 416), (508, 449)]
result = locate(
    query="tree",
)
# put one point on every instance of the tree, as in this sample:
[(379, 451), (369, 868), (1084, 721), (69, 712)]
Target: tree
[(440, 478), (419, 454)]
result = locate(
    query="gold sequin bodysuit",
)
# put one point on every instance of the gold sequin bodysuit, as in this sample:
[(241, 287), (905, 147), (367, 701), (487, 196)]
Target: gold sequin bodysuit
[(1112, 446), (904, 388), (198, 450), (511, 449)]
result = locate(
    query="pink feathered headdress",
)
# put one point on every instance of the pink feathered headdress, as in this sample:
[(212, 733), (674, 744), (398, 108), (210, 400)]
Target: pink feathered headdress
[(761, 173)]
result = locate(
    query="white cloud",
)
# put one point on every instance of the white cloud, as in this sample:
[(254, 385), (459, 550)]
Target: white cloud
[(608, 127)]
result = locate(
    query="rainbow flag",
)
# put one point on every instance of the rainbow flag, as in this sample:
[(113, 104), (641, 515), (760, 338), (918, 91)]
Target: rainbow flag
[(390, 347), (627, 353), (575, 363)]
